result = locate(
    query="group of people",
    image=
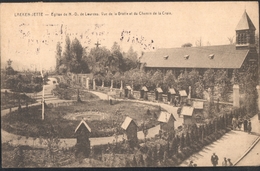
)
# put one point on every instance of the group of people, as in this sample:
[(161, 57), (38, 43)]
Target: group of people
[(226, 162), (214, 161), (237, 123)]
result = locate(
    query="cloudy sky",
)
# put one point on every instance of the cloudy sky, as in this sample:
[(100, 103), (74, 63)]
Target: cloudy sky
[(30, 41)]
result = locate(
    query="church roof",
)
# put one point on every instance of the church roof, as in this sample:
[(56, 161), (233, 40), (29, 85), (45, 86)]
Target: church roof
[(245, 23), (85, 124), (222, 56)]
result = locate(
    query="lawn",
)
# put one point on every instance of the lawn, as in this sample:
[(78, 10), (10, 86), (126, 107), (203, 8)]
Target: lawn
[(29, 123)]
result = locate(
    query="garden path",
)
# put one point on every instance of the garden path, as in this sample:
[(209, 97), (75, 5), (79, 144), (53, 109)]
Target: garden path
[(22, 140)]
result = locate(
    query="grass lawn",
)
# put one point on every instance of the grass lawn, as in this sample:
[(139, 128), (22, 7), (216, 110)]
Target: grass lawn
[(29, 123)]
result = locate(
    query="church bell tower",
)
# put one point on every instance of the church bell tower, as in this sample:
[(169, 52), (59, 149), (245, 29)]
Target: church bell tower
[(245, 33)]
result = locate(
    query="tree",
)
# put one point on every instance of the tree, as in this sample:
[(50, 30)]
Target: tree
[(250, 83), (76, 52), (157, 78), (141, 161), (222, 83), (194, 81), (58, 56), (134, 163), (66, 56), (169, 79), (183, 81), (230, 39), (209, 78), (186, 45), (187, 139), (199, 42), (130, 59), (115, 61), (97, 60)]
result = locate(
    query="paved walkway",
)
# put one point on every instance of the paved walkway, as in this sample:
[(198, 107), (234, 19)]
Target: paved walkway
[(233, 145)]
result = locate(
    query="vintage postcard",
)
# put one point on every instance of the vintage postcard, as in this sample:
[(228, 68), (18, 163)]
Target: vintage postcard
[(130, 84)]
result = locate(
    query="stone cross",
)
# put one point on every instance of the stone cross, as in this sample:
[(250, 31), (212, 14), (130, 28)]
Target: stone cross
[(97, 44), (9, 62)]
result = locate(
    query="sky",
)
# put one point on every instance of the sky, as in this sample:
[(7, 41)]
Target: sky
[(30, 41)]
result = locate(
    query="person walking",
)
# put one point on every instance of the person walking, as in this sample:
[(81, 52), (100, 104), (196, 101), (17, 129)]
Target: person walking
[(245, 125), (240, 121), (229, 162), (214, 160), (234, 123), (249, 127), (191, 164), (225, 163)]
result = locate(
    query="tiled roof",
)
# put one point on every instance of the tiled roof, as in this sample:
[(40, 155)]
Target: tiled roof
[(85, 124), (223, 56), (187, 110), (172, 91), (126, 123), (182, 93), (245, 23), (165, 117), (197, 105), (159, 90)]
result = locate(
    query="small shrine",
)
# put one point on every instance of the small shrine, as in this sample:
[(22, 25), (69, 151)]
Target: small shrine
[(171, 95), (166, 121), (128, 90), (130, 128), (82, 133), (158, 94), (187, 112), (183, 96), (144, 93)]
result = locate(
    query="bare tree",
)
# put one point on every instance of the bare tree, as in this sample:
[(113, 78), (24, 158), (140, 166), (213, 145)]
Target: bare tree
[(231, 39), (198, 42)]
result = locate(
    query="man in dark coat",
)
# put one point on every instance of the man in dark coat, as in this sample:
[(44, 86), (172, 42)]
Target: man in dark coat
[(214, 160), (245, 125)]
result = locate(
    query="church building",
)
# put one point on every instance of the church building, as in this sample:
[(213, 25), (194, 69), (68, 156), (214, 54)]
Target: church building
[(240, 55)]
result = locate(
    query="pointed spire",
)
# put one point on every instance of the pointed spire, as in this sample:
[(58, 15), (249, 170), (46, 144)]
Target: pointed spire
[(245, 23)]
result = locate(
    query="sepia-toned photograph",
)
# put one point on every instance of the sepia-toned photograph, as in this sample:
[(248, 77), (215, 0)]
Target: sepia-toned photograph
[(130, 84)]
